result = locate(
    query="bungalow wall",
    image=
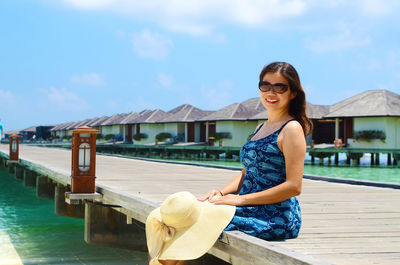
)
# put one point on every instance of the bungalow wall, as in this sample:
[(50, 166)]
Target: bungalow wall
[(171, 128), (151, 130), (239, 130), (112, 129), (389, 125)]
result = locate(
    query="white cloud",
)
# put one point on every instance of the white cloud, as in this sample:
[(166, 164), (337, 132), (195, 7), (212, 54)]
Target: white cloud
[(151, 45), (113, 105), (62, 99), (141, 104), (164, 80), (120, 33), (7, 97), (90, 4), (91, 79), (218, 95), (344, 40), (378, 8), (198, 17)]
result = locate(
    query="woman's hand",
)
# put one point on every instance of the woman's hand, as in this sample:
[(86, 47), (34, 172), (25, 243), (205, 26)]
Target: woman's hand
[(211, 194), (229, 199)]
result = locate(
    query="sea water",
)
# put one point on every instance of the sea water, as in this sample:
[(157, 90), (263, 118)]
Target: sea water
[(381, 173), (31, 233)]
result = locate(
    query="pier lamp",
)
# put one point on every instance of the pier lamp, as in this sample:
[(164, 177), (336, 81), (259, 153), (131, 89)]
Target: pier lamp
[(14, 148), (83, 169)]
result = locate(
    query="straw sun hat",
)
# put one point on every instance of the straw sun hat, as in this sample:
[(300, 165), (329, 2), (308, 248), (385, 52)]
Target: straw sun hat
[(184, 228)]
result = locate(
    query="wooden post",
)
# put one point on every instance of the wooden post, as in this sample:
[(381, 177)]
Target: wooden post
[(45, 188), (64, 209), (336, 159), (19, 172), (29, 178), (389, 159), (105, 226), (372, 159)]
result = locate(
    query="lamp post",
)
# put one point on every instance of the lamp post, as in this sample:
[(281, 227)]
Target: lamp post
[(83, 169), (14, 148)]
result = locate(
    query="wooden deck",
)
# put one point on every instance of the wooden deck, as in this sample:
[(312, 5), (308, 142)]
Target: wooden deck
[(342, 223)]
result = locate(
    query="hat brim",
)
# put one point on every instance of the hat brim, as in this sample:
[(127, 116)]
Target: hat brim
[(194, 241)]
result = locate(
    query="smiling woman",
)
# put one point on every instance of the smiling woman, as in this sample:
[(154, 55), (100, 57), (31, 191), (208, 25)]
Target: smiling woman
[(264, 193)]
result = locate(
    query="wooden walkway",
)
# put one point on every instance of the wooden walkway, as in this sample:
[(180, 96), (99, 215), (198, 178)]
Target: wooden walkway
[(342, 223)]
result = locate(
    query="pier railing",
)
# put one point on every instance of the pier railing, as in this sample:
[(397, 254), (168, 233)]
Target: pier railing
[(205, 152)]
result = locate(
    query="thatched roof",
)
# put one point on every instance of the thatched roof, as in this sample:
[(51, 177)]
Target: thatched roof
[(371, 103), (316, 111), (312, 111), (130, 118), (99, 121), (11, 132), (185, 113), (76, 125), (114, 119), (151, 116), (254, 103), (263, 115), (30, 129), (92, 121), (65, 125), (235, 111)]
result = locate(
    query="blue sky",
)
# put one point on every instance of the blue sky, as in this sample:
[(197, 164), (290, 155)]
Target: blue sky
[(68, 60)]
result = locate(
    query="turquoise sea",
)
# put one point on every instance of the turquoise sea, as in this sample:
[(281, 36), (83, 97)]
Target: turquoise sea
[(31, 233), (382, 173)]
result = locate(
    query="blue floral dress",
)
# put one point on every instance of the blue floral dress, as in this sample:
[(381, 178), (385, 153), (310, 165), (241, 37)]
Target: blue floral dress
[(265, 168)]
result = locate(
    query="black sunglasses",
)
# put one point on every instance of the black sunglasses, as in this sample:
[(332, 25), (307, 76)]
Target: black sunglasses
[(279, 88)]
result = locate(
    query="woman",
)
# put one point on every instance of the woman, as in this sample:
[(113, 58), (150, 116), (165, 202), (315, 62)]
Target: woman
[(273, 158), (264, 192)]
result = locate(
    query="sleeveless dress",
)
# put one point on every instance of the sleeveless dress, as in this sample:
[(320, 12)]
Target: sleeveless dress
[(265, 168)]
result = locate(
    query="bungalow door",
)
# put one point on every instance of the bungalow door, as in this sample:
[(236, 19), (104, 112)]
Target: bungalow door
[(190, 128), (348, 129), (211, 132), (203, 132), (129, 134)]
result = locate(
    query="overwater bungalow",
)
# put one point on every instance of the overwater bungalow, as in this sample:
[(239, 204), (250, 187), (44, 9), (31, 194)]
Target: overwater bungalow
[(60, 130), (148, 125), (231, 125), (129, 126), (113, 126), (75, 125), (7, 134), (96, 124), (28, 133), (184, 122), (368, 120)]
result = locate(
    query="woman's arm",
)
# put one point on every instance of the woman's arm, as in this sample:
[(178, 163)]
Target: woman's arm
[(233, 186), (294, 149)]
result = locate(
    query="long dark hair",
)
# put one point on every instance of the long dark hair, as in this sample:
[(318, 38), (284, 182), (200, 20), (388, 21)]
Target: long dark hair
[(297, 106)]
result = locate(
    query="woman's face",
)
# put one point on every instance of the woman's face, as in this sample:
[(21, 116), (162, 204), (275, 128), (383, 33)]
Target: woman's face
[(273, 101)]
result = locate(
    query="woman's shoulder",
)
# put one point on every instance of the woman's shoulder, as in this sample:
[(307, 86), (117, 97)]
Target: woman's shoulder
[(293, 128)]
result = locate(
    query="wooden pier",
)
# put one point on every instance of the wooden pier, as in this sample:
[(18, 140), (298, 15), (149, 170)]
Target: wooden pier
[(342, 223)]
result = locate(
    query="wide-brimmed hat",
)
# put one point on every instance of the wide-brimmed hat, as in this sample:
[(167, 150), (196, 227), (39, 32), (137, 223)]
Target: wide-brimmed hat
[(184, 228)]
